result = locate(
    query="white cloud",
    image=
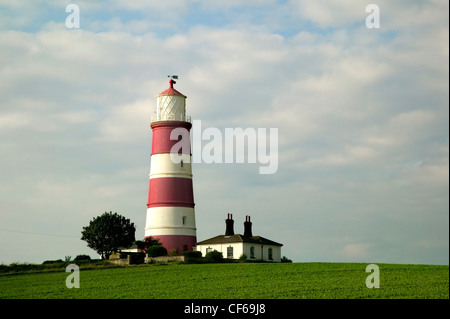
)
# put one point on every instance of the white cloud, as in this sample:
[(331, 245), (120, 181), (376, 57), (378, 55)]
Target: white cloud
[(75, 117), (331, 13), (161, 7), (425, 173), (356, 251), (126, 123), (13, 121)]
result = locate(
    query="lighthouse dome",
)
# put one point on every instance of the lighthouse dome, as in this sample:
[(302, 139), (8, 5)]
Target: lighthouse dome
[(171, 105)]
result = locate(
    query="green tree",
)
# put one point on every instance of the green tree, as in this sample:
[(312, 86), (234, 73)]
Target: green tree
[(284, 259), (214, 256), (106, 233), (147, 243), (157, 251)]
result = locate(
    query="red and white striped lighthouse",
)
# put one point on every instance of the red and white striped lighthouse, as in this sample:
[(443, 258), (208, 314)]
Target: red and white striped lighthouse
[(170, 207)]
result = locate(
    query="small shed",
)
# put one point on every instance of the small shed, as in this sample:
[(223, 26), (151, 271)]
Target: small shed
[(128, 256)]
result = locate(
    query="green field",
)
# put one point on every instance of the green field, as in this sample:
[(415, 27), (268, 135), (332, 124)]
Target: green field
[(234, 281)]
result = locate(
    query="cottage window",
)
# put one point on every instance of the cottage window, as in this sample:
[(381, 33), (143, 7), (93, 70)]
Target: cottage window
[(270, 254), (252, 252), (229, 252)]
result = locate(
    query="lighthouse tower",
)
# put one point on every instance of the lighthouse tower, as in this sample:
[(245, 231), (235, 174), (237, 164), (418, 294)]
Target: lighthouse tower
[(170, 206)]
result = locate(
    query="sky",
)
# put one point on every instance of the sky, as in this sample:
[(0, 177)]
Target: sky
[(362, 116)]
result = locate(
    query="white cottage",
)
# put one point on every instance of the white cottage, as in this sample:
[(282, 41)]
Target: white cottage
[(233, 246)]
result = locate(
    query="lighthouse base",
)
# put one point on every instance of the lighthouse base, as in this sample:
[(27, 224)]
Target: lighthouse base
[(176, 243)]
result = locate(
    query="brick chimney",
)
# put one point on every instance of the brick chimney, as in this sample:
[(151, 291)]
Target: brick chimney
[(247, 227), (229, 231)]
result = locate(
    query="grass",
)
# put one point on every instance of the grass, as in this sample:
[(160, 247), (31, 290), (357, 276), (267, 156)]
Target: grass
[(233, 281), (22, 268)]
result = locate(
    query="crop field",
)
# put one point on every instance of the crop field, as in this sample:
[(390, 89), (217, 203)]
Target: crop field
[(233, 281)]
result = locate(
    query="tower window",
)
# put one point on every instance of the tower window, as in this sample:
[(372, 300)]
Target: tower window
[(181, 163), (184, 220)]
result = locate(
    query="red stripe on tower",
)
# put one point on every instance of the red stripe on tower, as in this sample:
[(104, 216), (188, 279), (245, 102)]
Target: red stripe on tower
[(161, 141), (170, 191)]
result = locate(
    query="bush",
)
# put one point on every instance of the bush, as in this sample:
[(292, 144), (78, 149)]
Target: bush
[(58, 261), (82, 257), (21, 267), (284, 259), (194, 257), (192, 254), (157, 251), (136, 259), (214, 256)]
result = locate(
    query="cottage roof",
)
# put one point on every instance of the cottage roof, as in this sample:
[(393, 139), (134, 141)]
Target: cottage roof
[(134, 246), (237, 238)]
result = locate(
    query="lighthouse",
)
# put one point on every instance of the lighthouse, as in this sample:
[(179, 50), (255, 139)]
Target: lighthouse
[(170, 206)]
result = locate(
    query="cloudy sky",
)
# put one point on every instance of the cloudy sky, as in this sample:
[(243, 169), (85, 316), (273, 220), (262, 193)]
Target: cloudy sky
[(362, 117)]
